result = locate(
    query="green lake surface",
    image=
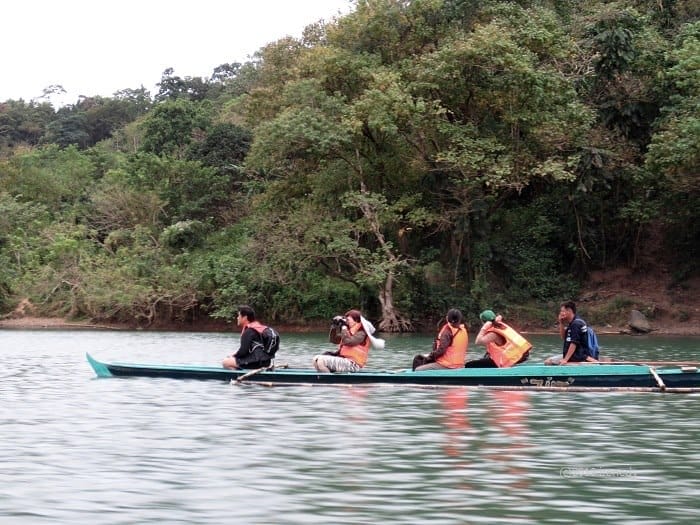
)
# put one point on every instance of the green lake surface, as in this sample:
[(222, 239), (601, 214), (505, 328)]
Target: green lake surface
[(74, 448)]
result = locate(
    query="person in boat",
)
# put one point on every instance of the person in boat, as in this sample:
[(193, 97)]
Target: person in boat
[(505, 347), (353, 345), (449, 348), (574, 331), (251, 353)]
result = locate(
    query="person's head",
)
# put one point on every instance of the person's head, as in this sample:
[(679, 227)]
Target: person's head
[(454, 317), (353, 317), (567, 311), (487, 316), (246, 313)]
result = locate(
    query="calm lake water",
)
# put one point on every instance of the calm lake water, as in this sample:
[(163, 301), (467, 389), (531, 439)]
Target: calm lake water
[(77, 449)]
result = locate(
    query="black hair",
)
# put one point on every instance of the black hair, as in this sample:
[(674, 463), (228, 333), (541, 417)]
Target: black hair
[(454, 316), (247, 311), (569, 305)]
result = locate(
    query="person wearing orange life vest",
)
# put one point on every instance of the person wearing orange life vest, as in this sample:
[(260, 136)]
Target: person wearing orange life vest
[(450, 347), (504, 346), (249, 354), (353, 345)]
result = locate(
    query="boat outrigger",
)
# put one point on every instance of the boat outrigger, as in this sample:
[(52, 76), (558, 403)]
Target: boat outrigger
[(667, 377)]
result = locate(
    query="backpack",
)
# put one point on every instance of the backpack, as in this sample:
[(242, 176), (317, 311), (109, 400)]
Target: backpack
[(270, 341), (592, 343)]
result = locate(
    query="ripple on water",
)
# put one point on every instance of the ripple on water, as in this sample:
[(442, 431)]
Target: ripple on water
[(118, 451)]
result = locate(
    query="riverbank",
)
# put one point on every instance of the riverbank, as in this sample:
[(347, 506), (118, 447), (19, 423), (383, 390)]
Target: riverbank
[(676, 328), (606, 301), (207, 325)]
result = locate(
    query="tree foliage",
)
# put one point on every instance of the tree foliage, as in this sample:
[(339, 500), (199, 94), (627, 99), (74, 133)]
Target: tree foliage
[(674, 152), (405, 158)]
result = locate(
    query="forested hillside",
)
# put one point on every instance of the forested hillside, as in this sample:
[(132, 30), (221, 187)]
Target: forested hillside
[(406, 158)]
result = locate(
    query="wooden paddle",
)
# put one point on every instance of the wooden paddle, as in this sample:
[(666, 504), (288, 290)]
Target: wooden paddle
[(652, 363), (245, 376), (657, 378)]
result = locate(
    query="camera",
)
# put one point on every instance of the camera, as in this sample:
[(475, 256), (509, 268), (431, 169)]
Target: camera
[(339, 321)]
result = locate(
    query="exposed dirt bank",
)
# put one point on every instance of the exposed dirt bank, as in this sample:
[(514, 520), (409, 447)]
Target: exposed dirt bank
[(671, 309)]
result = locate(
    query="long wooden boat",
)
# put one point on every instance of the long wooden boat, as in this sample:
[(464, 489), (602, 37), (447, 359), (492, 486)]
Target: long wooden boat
[(642, 377)]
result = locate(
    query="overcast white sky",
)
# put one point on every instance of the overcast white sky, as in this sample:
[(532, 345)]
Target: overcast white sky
[(97, 47)]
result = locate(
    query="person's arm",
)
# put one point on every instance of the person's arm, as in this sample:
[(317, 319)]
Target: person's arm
[(442, 344), (484, 337), (246, 342), (352, 340), (334, 335), (483, 334), (562, 330), (570, 351), (562, 327)]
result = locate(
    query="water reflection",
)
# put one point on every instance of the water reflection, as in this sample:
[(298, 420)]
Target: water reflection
[(498, 435), (456, 420), (510, 424)]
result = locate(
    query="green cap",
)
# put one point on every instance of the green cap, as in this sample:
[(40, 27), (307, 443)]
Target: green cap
[(487, 315)]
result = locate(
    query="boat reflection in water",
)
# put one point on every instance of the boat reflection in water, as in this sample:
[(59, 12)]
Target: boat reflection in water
[(454, 403), (510, 421), (501, 440)]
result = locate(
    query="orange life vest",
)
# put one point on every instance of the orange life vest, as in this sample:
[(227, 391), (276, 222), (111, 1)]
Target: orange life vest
[(357, 353), (511, 351), (456, 353), (257, 326)]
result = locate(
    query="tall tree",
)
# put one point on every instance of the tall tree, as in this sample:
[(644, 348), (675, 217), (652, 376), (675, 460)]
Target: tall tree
[(173, 125), (173, 87)]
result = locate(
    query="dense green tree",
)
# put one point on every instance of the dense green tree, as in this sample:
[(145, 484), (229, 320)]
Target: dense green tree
[(139, 282), (173, 87), (116, 207), (68, 129), (390, 29), (104, 116), (224, 147), (19, 224), (508, 121), (675, 148), (674, 153), (234, 80), (318, 136), (23, 123), (187, 189), (173, 125), (57, 178)]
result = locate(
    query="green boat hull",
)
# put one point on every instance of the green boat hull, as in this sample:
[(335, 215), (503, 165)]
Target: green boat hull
[(521, 377)]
